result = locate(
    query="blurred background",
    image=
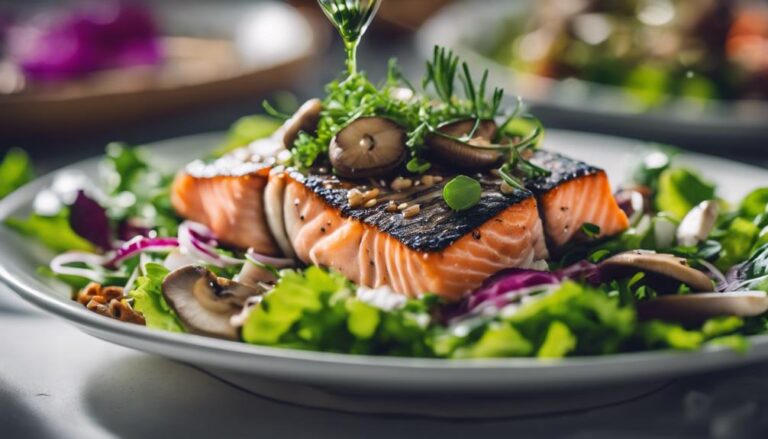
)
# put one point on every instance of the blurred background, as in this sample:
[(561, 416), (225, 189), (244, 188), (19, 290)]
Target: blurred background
[(75, 75)]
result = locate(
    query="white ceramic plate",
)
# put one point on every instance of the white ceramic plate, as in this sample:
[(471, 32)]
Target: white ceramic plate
[(473, 27), (20, 257)]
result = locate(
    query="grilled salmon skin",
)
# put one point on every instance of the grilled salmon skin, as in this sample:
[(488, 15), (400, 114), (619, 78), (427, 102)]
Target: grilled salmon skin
[(574, 194)]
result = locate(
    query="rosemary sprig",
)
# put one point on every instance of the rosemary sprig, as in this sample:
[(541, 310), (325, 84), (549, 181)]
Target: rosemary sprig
[(441, 73)]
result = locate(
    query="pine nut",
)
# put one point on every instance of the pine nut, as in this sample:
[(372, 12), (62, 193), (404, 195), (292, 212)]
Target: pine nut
[(411, 211)]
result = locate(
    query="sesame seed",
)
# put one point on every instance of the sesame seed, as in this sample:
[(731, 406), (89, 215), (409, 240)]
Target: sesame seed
[(355, 198), (411, 211), (401, 183)]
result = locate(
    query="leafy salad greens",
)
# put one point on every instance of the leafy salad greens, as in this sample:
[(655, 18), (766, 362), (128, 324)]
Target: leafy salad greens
[(129, 256), (317, 309)]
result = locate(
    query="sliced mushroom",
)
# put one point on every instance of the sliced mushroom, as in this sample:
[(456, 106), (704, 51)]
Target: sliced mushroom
[(702, 306), (274, 193), (463, 154), (660, 268), (368, 147), (305, 119), (205, 303), (697, 224)]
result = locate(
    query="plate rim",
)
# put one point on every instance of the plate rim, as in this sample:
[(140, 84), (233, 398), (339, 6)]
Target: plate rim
[(87, 321)]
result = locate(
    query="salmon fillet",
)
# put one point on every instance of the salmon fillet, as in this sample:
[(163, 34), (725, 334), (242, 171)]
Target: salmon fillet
[(439, 250), (321, 235), (573, 195), (230, 205)]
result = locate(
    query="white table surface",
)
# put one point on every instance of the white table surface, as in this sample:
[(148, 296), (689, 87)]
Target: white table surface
[(58, 382)]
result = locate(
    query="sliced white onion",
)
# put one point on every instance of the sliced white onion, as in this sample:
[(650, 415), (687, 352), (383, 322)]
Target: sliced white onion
[(198, 241), (60, 266), (716, 273), (269, 260), (176, 259)]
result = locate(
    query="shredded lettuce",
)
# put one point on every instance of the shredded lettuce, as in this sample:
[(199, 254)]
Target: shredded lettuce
[(318, 310), (149, 301)]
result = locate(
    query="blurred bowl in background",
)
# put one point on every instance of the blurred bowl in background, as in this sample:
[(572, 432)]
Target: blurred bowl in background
[(211, 53), (475, 28)]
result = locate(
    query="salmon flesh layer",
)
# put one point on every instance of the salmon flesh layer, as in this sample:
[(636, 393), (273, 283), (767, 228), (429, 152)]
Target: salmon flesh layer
[(437, 250)]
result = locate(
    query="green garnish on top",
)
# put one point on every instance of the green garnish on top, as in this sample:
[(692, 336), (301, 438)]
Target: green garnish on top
[(449, 93), (462, 193)]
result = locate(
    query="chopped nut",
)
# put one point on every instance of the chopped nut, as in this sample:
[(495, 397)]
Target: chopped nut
[(506, 188), (371, 194), (94, 290), (109, 302), (429, 180), (391, 207), (401, 183), (402, 206), (121, 310), (355, 198), (411, 211), (116, 309), (370, 203)]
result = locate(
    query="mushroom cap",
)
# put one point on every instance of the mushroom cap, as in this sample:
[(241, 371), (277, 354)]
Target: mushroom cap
[(458, 153), (304, 119), (659, 264), (203, 302), (702, 306), (368, 147)]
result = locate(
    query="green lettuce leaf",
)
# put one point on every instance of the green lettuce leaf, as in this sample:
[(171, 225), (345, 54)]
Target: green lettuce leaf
[(149, 301), (15, 171), (573, 320), (245, 130), (754, 203), (738, 242), (680, 190), (52, 231), (317, 310), (129, 171)]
